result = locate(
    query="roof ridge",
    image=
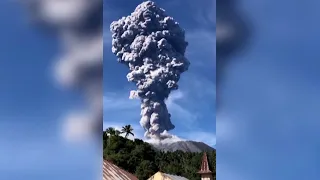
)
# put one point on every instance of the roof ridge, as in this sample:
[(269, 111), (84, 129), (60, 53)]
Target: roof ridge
[(112, 171)]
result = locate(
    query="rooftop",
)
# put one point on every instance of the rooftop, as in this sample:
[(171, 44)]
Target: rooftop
[(113, 172)]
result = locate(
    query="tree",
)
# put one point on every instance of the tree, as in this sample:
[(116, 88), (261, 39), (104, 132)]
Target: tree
[(127, 129), (117, 133), (145, 170), (105, 134), (105, 139), (111, 131)]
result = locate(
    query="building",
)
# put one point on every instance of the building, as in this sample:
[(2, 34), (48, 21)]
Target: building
[(113, 172), (164, 176), (205, 172)]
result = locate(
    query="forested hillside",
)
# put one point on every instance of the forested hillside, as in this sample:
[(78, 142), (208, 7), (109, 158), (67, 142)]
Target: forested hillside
[(141, 159)]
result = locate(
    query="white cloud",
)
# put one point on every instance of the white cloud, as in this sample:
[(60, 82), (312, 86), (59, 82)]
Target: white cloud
[(170, 140), (179, 111)]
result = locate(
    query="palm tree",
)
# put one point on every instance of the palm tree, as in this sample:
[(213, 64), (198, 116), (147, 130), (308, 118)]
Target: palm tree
[(127, 129), (111, 131)]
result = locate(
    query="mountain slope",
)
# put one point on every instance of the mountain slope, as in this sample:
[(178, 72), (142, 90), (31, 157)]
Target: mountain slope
[(185, 146)]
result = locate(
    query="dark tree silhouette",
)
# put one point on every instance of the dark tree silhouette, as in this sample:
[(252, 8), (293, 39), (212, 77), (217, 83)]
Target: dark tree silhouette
[(111, 131), (127, 129)]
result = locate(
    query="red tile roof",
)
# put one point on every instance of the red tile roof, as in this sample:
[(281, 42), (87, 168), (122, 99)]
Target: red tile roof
[(113, 172)]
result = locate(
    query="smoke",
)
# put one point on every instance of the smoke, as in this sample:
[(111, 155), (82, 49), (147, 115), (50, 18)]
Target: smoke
[(159, 142), (78, 24), (152, 45)]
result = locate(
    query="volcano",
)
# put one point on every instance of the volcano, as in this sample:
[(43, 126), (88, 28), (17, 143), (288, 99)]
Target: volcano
[(185, 146)]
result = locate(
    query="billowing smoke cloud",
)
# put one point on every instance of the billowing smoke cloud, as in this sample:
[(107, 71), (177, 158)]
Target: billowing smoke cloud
[(152, 45), (78, 23)]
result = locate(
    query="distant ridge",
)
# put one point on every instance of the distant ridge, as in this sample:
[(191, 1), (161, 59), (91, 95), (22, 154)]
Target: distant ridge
[(185, 146)]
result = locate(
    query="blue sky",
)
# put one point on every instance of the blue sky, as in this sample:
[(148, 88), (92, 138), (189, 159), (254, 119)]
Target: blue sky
[(269, 127), (192, 106)]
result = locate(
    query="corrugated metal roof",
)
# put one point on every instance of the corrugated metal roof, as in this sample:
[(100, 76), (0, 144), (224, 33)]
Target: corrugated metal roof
[(113, 172), (167, 176), (174, 177)]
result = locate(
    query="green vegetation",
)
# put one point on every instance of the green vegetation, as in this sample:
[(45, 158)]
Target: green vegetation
[(141, 159)]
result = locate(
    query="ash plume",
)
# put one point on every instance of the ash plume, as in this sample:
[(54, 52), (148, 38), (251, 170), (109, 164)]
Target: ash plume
[(78, 24), (152, 45)]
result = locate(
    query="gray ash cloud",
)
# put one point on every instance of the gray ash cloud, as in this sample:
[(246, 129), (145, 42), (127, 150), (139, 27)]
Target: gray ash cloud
[(152, 45)]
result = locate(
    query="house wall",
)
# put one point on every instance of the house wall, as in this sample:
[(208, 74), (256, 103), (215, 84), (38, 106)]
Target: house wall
[(159, 176), (206, 177)]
